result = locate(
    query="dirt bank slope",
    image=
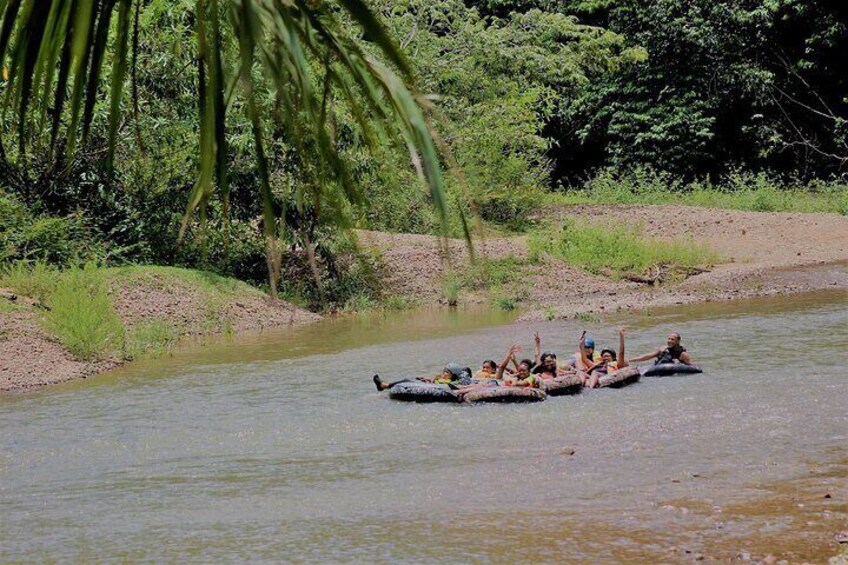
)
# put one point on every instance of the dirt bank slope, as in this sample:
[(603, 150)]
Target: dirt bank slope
[(762, 254), (171, 298)]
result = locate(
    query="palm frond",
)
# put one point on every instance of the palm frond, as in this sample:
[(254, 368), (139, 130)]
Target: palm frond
[(297, 52)]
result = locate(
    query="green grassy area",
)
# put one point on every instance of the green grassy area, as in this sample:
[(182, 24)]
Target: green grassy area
[(76, 305), (150, 339), (504, 278), (755, 193), (211, 284), (35, 280), (620, 251)]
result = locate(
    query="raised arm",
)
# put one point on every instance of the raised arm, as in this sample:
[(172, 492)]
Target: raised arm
[(622, 360), (538, 348), (509, 355), (646, 356), (514, 364), (581, 359)]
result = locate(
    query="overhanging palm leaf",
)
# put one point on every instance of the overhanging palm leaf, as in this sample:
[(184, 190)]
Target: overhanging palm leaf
[(297, 52)]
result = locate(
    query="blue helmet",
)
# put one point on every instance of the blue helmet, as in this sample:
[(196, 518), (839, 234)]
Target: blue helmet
[(589, 342)]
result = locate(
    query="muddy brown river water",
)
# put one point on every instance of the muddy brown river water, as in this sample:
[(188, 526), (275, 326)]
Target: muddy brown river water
[(276, 448)]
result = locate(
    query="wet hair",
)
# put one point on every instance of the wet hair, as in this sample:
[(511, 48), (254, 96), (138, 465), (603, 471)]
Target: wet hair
[(610, 351), (675, 334), (490, 363), (527, 362), (545, 356), (456, 370)]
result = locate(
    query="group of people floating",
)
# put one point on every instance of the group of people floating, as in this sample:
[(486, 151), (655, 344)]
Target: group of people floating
[(588, 364)]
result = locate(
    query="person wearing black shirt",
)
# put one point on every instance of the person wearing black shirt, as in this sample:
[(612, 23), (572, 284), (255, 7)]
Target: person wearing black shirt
[(672, 353)]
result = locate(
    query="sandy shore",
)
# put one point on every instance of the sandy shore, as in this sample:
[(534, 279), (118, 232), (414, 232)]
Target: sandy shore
[(763, 254)]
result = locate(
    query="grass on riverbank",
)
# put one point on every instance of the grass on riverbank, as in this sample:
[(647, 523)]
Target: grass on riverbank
[(621, 252), (80, 314), (77, 305), (503, 278), (757, 193)]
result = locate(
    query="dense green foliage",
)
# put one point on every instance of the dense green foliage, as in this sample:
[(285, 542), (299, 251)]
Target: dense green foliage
[(290, 71), (757, 84), (500, 82), (28, 236), (713, 102)]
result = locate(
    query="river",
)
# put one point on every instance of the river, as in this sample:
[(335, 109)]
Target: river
[(276, 447)]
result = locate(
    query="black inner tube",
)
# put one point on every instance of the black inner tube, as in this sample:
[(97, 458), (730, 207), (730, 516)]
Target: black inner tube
[(667, 369), (416, 391)]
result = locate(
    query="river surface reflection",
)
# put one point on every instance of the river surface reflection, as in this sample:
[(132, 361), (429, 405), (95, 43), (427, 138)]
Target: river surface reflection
[(276, 447)]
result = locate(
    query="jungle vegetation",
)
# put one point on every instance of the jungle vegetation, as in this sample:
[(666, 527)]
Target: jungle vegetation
[(246, 136)]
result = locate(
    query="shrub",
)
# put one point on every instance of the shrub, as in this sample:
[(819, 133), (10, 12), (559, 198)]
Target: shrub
[(451, 289), (52, 239), (506, 303), (346, 275), (510, 209), (81, 315), (359, 302)]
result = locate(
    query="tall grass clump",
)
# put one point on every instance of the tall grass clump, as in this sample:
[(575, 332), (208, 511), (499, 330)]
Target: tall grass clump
[(36, 280), (640, 186), (620, 251), (451, 288), (81, 314)]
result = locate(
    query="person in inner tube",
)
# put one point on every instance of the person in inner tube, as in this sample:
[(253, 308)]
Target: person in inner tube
[(672, 353), (546, 363), (589, 347), (489, 371), (609, 363), (453, 375), (523, 375), (547, 367)]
